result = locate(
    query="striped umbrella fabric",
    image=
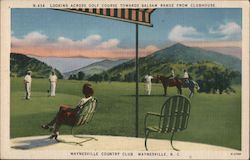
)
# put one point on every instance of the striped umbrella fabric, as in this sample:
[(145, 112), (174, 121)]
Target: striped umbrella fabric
[(137, 16)]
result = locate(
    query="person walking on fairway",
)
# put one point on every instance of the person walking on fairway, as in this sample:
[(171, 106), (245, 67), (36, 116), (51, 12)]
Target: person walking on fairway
[(27, 84), (148, 84), (53, 80)]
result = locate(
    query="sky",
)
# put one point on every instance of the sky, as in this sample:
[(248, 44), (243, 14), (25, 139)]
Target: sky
[(48, 32)]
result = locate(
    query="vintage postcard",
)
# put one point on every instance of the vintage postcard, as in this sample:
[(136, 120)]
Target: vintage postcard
[(124, 79)]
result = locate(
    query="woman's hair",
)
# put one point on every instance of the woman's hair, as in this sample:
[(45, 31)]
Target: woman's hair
[(87, 90)]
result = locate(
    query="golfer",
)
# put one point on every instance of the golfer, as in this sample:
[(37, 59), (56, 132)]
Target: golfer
[(53, 80), (27, 84), (148, 84)]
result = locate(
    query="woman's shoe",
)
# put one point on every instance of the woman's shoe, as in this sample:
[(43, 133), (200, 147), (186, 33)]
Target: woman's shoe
[(53, 136)]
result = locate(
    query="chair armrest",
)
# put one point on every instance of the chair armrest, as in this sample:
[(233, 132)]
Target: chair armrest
[(153, 114), (150, 114)]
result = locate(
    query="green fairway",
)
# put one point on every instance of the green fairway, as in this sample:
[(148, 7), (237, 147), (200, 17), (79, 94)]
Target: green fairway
[(215, 119)]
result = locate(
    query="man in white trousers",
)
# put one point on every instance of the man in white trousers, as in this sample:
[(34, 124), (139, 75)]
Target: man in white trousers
[(27, 84), (53, 80), (148, 84)]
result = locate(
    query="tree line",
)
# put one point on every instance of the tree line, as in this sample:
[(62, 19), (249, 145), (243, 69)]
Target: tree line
[(210, 79), (79, 76)]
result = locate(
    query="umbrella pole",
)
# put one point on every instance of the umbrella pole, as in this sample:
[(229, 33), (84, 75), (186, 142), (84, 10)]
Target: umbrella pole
[(137, 84)]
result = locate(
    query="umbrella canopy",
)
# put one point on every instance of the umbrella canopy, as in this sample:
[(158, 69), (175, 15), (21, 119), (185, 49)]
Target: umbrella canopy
[(137, 16)]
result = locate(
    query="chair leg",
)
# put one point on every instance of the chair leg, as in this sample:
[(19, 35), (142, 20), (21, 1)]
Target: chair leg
[(77, 143), (172, 141), (146, 138), (84, 137)]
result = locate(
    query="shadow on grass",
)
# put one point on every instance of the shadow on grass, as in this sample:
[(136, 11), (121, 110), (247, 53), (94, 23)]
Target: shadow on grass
[(34, 143)]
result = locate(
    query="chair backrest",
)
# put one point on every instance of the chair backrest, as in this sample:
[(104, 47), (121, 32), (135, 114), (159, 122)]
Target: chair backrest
[(86, 112), (175, 114)]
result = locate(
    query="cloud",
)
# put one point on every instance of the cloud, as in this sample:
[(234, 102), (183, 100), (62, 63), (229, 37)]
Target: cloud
[(112, 43), (32, 39), (151, 48), (228, 31), (63, 43), (184, 33), (92, 46)]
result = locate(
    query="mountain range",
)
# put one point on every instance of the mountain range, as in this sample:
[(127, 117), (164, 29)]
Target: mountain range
[(95, 68), (181, 53), (177, 56)]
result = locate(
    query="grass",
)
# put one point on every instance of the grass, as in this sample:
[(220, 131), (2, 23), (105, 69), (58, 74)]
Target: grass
[(215, 119)]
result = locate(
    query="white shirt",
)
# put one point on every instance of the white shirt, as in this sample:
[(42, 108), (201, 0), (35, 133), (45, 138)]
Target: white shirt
[(185, 75), (84, 100), (148, 78), (172, 72), (53, 78), (27, 79)]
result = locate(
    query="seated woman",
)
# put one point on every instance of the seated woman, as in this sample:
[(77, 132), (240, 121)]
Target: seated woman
[(67, 115)]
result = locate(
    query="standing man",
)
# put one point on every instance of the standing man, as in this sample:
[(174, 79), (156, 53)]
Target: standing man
[(53, 80), (186, 77), (148, 84), (27, 84)]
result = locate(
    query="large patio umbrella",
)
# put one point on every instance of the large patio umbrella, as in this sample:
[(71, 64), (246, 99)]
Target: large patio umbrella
[(135, 16)]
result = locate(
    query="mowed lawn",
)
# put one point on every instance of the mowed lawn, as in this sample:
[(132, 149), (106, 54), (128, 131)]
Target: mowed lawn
[(215, 119)]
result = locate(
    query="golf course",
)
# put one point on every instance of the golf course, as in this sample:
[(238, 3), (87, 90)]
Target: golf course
[(215, 119)]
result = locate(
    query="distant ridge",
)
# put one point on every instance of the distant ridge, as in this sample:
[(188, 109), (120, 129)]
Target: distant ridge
[(95, 68), (180, 52), (19, 64)]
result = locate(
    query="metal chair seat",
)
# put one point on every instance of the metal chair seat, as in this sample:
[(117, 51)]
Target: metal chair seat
[(154, 128), (173, 117)]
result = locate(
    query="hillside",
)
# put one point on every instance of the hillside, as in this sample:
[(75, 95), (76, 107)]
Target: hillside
[(179, 53), (179, 57), (19, 64), (95, 68), (182, 53)]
